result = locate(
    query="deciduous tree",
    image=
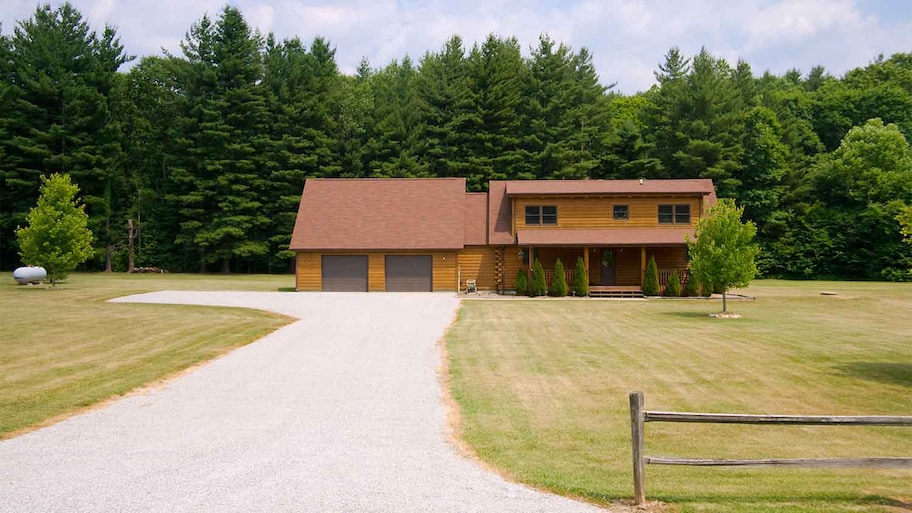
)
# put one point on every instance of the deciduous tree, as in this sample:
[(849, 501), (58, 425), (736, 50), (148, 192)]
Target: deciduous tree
[(56, 236), (722, 250)]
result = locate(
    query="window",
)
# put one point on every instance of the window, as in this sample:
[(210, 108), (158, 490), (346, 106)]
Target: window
[(541, 215), (674, 214), (682, 214), (621, 212)]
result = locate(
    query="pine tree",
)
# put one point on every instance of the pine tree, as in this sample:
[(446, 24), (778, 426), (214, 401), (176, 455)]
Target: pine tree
[(651, 284), (522, 282), (538, 287), (581, 279), (673, 287), (57, 236), (692, 286), (62, 117), (559, 282)]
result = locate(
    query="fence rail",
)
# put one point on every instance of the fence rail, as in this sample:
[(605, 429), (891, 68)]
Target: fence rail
[(639, 417)]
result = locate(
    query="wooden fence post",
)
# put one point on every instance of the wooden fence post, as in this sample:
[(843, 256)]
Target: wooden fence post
[(637, 424)]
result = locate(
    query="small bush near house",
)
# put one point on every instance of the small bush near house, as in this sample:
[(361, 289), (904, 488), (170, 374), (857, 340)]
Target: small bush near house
[(581, 279), (559, 282), (522, 283), (673, 287), (538, 286), (651, 286), (692, 286)]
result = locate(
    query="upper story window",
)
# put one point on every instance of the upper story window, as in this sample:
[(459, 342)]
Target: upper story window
[(674, 214), (621, 212), (541, 215)]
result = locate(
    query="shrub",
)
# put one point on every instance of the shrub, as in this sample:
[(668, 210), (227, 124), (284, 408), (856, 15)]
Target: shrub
[(538, 286), (651, 285), (581, 279), (522, 282), (673, 287), (559, 282), (692, 287)]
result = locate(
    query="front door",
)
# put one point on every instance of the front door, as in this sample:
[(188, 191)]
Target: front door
[(608, 268)]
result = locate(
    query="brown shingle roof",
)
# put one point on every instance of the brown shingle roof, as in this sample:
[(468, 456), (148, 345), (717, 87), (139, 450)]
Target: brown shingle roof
[(499, 214), (476, 219), (535, 187), (362, 214), (604, 236)]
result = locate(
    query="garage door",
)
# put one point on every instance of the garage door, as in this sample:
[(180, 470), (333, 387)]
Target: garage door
[(409, 273), (345, 273)]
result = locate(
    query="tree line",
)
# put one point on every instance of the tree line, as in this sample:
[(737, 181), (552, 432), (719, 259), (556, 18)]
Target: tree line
[(206, 151)]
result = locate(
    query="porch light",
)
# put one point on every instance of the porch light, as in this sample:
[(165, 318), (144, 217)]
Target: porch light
[(522, 255)]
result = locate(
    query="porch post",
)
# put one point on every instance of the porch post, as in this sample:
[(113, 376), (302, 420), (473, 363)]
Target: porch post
[(531, 257), (586, 263), (642, 265)]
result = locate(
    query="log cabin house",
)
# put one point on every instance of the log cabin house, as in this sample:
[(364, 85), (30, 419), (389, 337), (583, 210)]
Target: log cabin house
[(429, 234)]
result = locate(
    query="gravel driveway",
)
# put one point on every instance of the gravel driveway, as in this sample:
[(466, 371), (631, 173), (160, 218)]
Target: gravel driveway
[(340, 411)]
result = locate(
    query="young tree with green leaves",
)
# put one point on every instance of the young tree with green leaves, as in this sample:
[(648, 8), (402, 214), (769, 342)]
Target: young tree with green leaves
[(56, 236), (905, 223), (722, 250)]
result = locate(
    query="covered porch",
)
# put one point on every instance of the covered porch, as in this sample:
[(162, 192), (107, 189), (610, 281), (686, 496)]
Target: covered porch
[(615, 268)]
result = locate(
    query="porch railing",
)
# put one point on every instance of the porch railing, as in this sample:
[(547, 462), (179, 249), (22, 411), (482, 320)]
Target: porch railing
[(665, 274), (549, 275)]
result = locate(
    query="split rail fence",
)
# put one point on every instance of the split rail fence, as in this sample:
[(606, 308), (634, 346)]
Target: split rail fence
[(639, 417)]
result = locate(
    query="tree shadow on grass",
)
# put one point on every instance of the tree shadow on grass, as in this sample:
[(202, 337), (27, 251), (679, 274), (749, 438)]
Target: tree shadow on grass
[(884, 372), (688, 315), (848, 501), (287, 289)]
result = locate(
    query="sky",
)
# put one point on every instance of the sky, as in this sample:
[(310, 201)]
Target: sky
[(628, 38)]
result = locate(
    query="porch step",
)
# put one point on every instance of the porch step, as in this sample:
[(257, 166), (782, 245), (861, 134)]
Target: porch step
[(615, 292)]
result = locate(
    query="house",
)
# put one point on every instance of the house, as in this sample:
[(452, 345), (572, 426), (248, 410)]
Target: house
[(431, 235)]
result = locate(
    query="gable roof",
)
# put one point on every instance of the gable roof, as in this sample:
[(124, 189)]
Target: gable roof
[(476, 219), (500, 223), (703, 186), (381, 213)]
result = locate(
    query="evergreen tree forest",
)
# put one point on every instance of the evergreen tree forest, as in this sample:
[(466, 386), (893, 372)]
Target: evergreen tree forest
[(206, 150)]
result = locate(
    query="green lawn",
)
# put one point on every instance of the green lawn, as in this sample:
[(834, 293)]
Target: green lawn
[(64, 349), (542, 387)]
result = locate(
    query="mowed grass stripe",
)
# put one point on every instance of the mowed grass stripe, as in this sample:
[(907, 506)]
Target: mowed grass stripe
[(67, 349), (542, 387)]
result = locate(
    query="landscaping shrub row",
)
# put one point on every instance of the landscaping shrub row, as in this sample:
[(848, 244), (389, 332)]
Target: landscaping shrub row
[(536, 286)]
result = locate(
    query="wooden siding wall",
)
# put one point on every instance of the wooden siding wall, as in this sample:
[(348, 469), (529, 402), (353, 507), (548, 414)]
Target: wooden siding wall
[(445, 271), (628, 266), (376, 272), (576, 212), (512, 263), (549, 256), (309, 272), (668, 258), (478, 263)]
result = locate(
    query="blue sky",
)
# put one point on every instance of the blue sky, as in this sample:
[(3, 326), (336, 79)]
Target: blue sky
[(628, 38)]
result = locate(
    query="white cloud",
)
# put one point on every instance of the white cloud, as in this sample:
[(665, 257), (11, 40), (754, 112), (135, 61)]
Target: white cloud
[(628, 38)]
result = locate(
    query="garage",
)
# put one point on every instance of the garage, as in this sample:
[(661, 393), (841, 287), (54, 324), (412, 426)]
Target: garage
[(409, 273), (345, 273)]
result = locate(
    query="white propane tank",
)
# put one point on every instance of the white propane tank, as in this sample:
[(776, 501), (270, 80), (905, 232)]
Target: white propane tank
[(30, 274)]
